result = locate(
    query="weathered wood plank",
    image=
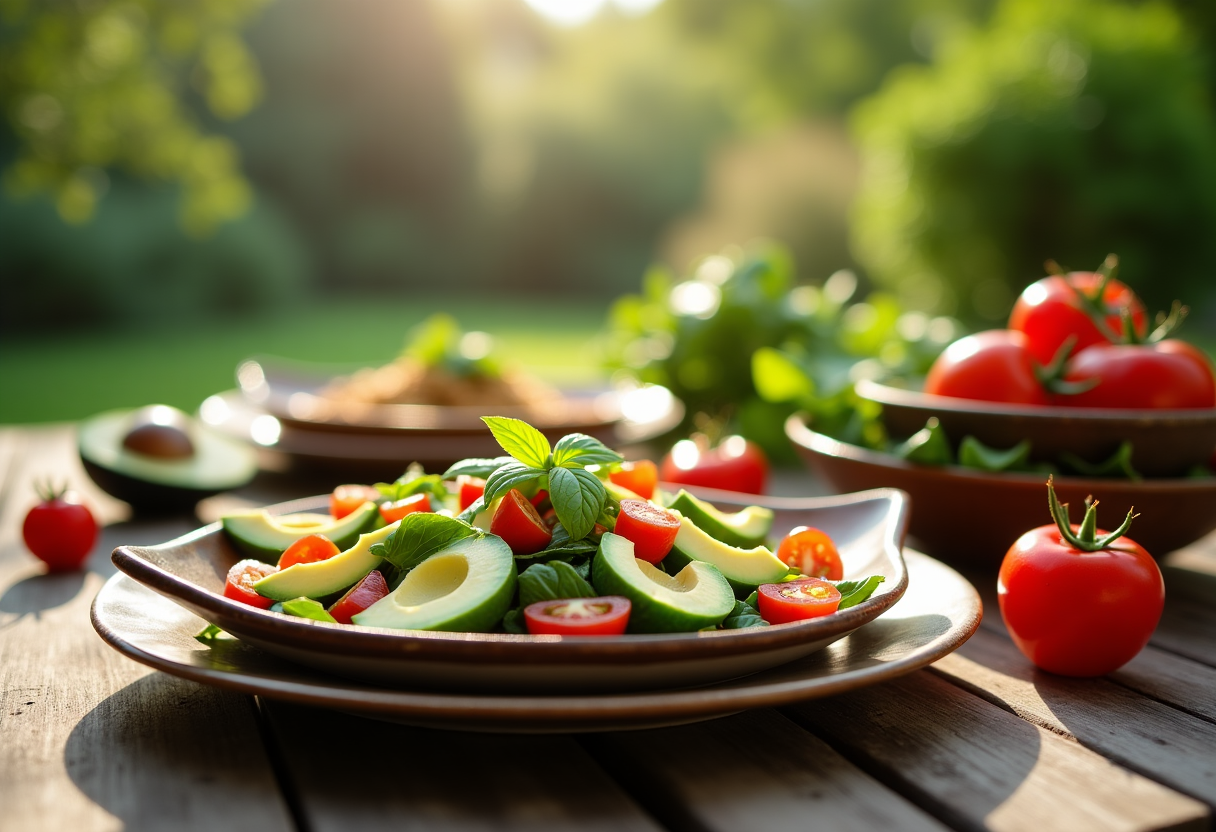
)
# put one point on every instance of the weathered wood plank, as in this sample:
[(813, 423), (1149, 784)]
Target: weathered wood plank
[(1188, 624), (1160, 741), (755, 771), (975, 766), (347, 772)]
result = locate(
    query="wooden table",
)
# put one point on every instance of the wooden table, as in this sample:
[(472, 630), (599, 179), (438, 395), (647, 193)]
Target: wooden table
[(91, 740)]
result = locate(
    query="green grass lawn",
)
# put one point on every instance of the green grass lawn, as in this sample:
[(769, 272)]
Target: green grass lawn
[(46, 378)]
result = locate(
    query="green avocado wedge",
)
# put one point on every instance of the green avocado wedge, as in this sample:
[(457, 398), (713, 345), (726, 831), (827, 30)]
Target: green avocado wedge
[(263, 536), (695, 598), (745, 569), (325, 577), (744, 529), (466, 587)]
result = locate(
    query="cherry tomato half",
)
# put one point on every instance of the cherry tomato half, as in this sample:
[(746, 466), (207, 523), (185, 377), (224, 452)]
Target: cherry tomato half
[(1166, 374), (640, 476), (469, 488), (310, 549), (797, 600), (60, 530), (347, 498), (651, 529), (813, 552), (992, 366), (606, 616), (392, 512), (520, 525), (241, 578), (734, 465), (359, 597), (1051, 310)]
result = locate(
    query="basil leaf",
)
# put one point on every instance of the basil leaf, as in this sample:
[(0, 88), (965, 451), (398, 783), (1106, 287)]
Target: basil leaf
[(743, 615), (412, 482), (578, 497), (513, 622), (476, 467), (470, 513), (551, 582), (972, 453), (210, 634), (520, 440), (753, 600), (421, 535), (511, 475), (581, 449), (1118, 465), (927, 446), (853, 593), (307, 608)]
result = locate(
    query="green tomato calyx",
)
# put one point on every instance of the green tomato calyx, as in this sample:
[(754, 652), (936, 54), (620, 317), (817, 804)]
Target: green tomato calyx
[(1085, 537)]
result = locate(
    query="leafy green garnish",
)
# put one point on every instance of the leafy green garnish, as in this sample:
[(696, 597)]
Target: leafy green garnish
[(551, 582), (743, 615), (211, 634), (438, 342), (853, 593), (1118, 465), (973, 453), (306, 608), (928, 446), (513, 622), (421, 535), (476, 467), (584, 450), (413, 481), (521, 440)]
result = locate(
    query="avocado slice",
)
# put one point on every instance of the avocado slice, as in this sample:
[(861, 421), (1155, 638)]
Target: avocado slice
[(264, 537), (693, 599), (744, 529), (466, 587), (746, 569), (325, 577)]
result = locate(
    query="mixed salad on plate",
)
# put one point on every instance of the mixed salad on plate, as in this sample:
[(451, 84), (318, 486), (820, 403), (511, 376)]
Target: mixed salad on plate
[(566, 539)]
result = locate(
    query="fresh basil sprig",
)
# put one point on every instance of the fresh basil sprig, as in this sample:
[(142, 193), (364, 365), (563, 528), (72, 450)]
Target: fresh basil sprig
[(476, 467), (743, 615), (552, 582), (853, 593), (412, 482), (578, 496), (419, 536)]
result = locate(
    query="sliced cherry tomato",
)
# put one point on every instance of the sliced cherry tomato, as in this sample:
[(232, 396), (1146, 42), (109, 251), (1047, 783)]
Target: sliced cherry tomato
[(359, 597), (607, 616), (541, 501), (734, 465), (797, 600), (519, 524), (469, 488), (992, 366), (60, 530), (347, 498), (640, 476), (308, 549), (813, 552), (392, 512), (1051, 310), (241, 578), (1165, 374), (651, 529)]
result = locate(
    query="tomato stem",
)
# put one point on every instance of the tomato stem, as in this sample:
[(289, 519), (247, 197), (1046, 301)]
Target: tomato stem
[(1086, 537)]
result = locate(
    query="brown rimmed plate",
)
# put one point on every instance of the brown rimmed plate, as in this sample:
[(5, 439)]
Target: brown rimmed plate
[(868, 528), (938, 613)]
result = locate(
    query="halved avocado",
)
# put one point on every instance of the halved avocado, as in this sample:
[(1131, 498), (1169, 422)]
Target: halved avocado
[(698, 596), (745, 569), (466, 587), (325, 577), (265, 537), (745, 528), (159, 459)]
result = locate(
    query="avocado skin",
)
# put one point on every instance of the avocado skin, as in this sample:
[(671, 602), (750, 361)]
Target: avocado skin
[(695, 510), (148, 497)]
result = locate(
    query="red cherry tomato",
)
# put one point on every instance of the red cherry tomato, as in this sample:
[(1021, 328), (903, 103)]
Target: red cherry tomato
[(1077, 612), (392, 512), (308, 549), (651, 529), (541, 501), (60, 530), (734, 465), (359, 597), (519, 524), (347, 498), (797, 600), (1166, 374), (469, 488), (641, 477), (241, 578), (1051, 310), (992, 366), (813, 552), (607, 616)]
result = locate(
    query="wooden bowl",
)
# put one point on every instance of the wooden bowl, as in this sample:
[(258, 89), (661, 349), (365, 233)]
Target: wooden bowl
[(972, 517), (1165, 443)]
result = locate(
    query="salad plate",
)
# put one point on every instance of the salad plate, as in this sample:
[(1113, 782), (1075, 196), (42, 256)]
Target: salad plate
[(868, 529), (935, 616)]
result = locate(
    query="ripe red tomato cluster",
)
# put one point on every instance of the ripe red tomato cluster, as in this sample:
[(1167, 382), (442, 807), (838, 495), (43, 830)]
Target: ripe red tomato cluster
[(1076, 340)]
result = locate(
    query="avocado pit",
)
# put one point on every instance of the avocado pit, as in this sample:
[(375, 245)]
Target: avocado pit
[(160, 432)]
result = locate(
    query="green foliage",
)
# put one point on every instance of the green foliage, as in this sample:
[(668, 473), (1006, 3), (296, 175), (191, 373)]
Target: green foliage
[(1062, 130), (92, 86)]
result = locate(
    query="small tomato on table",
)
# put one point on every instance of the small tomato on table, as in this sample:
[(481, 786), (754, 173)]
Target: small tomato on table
[(60, 531), (1077, 600)]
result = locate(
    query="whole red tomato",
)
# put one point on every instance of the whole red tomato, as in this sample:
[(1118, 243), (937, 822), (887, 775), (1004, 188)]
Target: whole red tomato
[(1051, 310), (992, 366), (734, 465), (60, 530), (1076, 600), (1165, 374)]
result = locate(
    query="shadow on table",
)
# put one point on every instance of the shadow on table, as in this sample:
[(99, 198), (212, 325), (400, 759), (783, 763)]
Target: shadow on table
[(38, 593)]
